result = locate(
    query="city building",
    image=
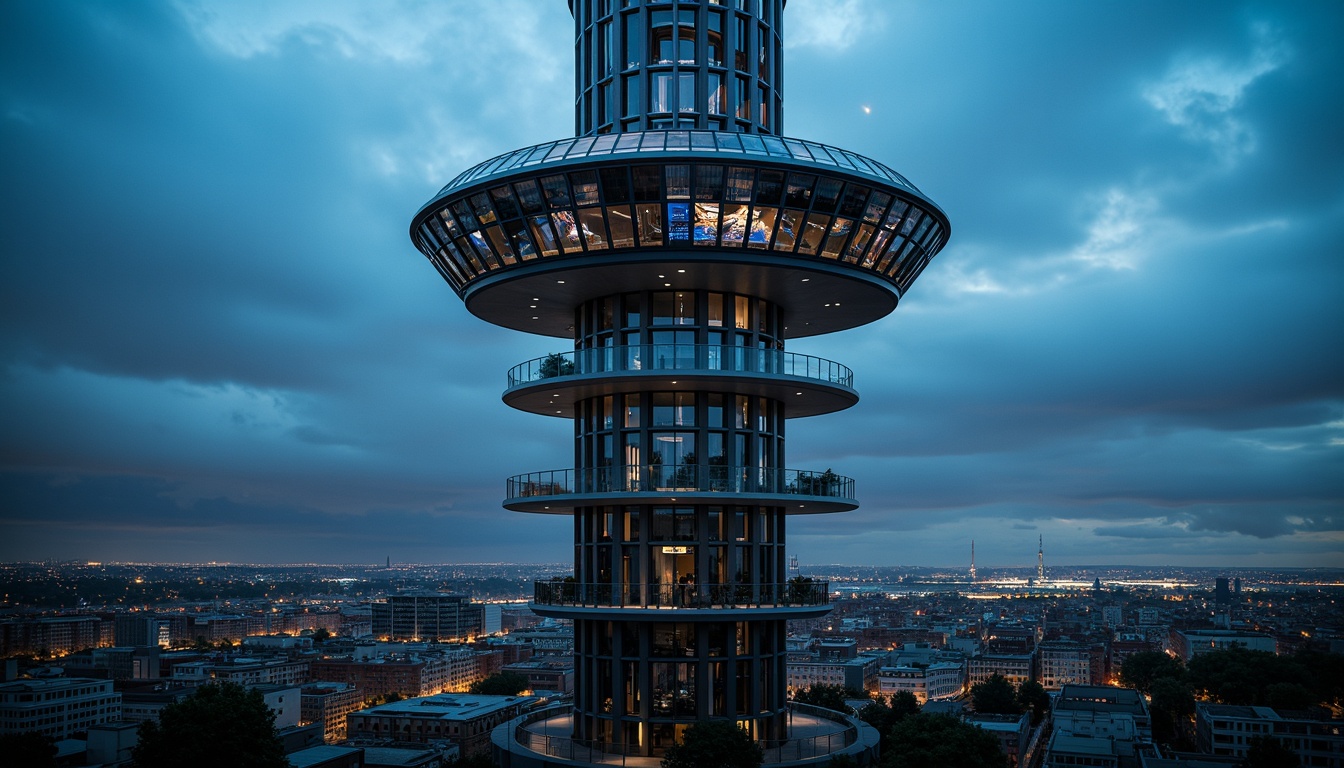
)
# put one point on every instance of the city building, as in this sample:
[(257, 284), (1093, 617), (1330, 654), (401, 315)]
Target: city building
[(57, 635), (420, 674), (1012, 731), (1185, 644), (140, 629), (1016, 668), (934, 682), (59, 707), (427, 616), (1225, 729), (245, 671), (549, 676), (806, 670), (462, 719), (1064, 662), (1104, 699), (329, 704), (678, 242)]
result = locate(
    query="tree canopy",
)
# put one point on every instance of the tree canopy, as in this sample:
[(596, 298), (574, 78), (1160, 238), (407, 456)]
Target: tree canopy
[(828, 696), (222, 725), (1139, 670), (925, 740), (501, 684), (995, 696), (1031, 696), (714, 744), (31, 749)]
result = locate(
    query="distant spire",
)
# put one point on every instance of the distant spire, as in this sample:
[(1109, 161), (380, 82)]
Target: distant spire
[(972, 560), (1040, 558)]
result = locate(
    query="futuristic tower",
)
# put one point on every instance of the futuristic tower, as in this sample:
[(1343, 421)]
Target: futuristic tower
[(679, 241)]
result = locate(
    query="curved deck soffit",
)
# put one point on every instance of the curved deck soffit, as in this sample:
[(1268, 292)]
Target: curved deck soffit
[(833, 236)]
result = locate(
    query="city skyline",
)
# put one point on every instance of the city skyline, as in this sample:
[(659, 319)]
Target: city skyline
[(219, 346)]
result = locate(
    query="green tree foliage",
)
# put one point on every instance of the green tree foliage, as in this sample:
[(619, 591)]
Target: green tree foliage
[(1139, 670), (842, 761), (714, 744), (828, 696), (995, 696), (555, 364), (922, 740), (1269, 752), (1244, 677), (882, 713), (222, 725), (30, 750), (1172, 705), (501, 684), (321, 635), (1031, 696)]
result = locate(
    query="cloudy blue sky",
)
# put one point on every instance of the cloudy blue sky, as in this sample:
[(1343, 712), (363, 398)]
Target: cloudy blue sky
[(217, 342)]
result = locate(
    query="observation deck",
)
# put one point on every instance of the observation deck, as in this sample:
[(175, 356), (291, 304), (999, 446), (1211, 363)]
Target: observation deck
[(796, 491), (808, 385), (835, 237)]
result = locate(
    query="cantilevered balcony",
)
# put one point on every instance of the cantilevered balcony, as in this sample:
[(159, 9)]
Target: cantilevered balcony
[(797, 491), (807, 385), (798, 593)]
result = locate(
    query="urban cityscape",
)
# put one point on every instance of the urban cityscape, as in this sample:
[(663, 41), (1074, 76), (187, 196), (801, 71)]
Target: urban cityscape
[(976, 405)]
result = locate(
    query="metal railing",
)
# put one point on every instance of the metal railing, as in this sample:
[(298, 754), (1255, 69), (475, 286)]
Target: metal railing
[(796, 593), (679, 478), (529, 736), (680, 357)]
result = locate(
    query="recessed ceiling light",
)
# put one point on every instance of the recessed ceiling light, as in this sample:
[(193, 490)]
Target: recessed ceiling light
[(534, 298), (660, 277), (532, 306), (797, 393), (806, 279), (667, 285), (562, 282), (682, 271), (534, 317)]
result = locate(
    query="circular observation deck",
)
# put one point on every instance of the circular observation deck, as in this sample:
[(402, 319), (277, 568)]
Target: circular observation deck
[(833, 237), (807, 385), (797, 491)]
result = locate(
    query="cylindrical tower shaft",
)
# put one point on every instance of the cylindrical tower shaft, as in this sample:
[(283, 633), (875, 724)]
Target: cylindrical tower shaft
[(678, 64)]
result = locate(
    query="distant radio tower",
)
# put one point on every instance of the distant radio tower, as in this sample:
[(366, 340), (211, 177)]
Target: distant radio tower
[(1040, 559), (972, 560)]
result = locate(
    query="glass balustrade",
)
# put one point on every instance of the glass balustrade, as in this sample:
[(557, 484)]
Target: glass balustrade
[(798, 592), (680, 478), (680, 357)]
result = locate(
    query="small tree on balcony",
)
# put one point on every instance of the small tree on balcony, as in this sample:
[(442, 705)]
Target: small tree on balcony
[(555, 364), (717, 743)]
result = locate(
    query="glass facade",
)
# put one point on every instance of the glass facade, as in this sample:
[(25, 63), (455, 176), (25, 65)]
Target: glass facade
[(692, 58)]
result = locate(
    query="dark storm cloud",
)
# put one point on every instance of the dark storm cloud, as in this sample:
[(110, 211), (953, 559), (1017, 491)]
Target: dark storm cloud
[(217, 343)]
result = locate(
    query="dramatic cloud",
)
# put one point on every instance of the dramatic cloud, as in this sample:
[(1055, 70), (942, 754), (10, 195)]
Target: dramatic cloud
[(217, 342)]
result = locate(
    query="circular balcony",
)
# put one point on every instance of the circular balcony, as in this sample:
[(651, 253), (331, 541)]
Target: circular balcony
[(815, 736), (565, 598), (798, 491), (806, 385)]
